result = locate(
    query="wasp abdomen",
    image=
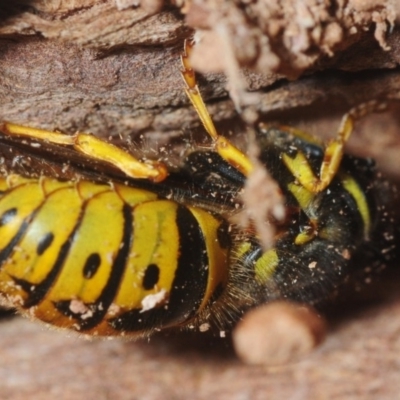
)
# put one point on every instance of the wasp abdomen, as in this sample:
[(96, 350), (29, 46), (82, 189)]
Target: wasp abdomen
[(105, 259)]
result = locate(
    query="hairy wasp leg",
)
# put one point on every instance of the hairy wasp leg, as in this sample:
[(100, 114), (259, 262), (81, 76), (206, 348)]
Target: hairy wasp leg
[(222, 145), (299, 165), (95, 148)]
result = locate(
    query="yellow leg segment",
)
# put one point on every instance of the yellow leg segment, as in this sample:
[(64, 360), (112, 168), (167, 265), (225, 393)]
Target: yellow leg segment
[(299, 165), (95, 148), (222, 145)]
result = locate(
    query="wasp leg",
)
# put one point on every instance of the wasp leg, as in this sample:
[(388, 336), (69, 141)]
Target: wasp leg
[(95, 148), (222, 145), (299, 165)]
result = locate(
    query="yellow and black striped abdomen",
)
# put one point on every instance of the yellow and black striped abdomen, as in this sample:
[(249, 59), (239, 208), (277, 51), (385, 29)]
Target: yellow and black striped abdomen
[(323, 231), (106, 259)]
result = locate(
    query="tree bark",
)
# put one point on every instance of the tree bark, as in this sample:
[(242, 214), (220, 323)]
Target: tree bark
[(111, 69)]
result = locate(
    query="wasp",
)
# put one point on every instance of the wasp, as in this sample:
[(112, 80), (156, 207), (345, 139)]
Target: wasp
[(157, 248)]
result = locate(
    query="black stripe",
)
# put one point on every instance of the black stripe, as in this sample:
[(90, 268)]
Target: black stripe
[(6, 252), (39, 291), (100, 307), (188, 287), (191, 276), (203, 164), (223, 235)]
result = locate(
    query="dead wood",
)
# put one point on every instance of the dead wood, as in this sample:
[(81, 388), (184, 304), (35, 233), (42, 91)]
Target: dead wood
[(111, 69)]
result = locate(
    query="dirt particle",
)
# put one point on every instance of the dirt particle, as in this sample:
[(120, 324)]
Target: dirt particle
[(278, 333)]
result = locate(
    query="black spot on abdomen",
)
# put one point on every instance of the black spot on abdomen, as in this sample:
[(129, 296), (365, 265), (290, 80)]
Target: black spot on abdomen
[(91, 265), (8, 216), (151, 276), (44, 243)]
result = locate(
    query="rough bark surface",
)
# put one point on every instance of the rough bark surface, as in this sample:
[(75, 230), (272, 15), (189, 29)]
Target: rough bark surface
[(112, 68), (100, 67)]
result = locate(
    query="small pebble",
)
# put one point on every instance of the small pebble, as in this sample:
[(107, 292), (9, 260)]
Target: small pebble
[(278, 333)]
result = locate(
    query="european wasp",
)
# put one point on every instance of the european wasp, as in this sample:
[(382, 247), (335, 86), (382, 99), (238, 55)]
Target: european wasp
[(155, 248)]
